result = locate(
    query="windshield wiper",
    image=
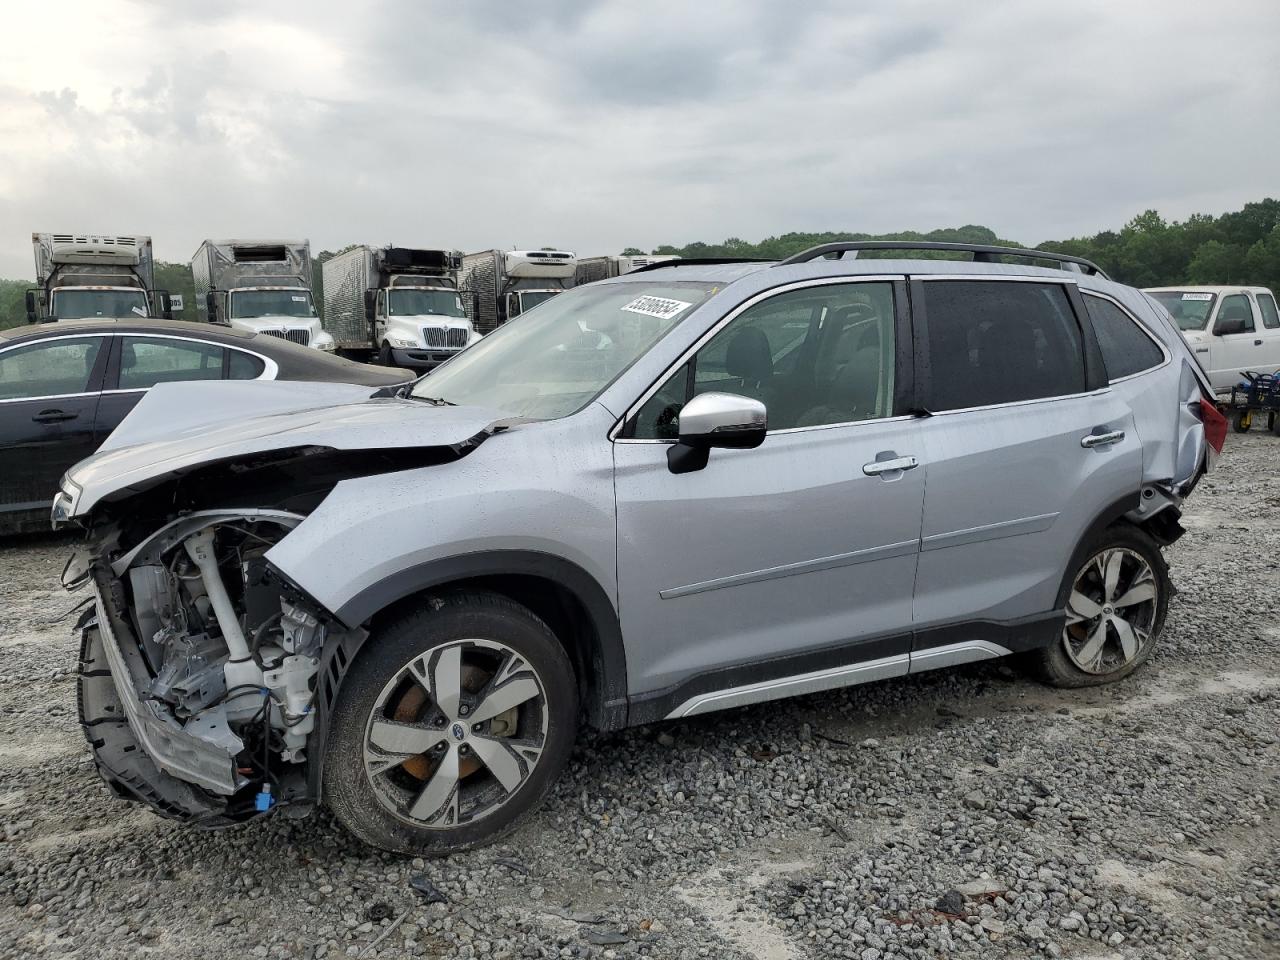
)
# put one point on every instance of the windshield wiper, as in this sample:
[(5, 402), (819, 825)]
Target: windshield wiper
[(434, 401)]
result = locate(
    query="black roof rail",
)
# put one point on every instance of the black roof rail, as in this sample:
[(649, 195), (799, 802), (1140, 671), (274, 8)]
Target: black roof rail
[(699, 262), (982, 253)]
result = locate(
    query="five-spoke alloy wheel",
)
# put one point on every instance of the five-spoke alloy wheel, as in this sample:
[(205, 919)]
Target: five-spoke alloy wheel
[(453, 722)]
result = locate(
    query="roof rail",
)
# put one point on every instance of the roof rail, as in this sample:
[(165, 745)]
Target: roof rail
[(698, 262), (982, 253)]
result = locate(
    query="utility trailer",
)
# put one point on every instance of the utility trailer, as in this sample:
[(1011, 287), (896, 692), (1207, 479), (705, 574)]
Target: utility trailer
[(261, 286), (591, 269), (499, 285), (398, 304), (85, 276)]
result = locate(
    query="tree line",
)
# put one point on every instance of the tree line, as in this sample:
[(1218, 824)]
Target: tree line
[(1241, 247)]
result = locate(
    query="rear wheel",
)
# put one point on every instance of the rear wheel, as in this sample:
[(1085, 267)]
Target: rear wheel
[(452, 725), (1242, 421), (1115, 611)]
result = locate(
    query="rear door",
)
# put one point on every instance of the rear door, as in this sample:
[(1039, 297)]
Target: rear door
[(49, 395), (1025, 447), (142, 361), (1270, 331)]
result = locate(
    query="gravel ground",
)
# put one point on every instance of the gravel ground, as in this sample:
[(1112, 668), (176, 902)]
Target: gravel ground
[(960, 814)]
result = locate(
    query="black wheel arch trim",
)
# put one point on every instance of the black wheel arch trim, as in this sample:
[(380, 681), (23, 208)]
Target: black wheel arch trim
[(606, 704)]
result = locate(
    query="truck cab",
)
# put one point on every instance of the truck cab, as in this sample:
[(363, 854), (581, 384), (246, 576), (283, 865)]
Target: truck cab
[(88, 277), (96, 302), (285, 312), (418, 321), (1229, 329)]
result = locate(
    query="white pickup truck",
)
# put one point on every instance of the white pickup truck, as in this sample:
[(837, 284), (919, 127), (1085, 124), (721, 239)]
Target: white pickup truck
[(1230, 329)]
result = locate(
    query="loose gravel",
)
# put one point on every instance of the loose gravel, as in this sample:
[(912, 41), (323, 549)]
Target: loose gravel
[(970, 813)]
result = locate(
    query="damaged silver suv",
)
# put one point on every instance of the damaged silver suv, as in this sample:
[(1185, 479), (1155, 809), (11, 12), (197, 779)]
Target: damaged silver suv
[(688, 488)]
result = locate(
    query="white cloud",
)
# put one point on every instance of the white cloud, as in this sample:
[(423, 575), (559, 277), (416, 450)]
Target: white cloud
[(598, 126)]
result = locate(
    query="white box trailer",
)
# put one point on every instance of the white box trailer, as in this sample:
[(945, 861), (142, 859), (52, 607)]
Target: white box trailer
[(499, 285), (591, 269), (400, 304), (262, 286), (80, 275)]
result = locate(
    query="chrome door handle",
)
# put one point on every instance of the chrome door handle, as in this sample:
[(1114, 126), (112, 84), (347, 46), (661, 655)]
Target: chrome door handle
[(877, 467), (1102, 439)]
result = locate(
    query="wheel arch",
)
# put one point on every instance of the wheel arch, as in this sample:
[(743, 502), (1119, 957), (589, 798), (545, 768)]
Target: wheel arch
[(566, 597), (1155, 526)]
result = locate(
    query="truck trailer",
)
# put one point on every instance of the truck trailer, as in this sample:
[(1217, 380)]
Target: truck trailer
[(262, 286), (398, 304), (83, 276), (591, 269), (499, 285)]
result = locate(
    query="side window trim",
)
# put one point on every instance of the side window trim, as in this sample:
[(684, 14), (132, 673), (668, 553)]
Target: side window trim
[(624, 429), (1164, 352), (95, 380), (1094, 370)]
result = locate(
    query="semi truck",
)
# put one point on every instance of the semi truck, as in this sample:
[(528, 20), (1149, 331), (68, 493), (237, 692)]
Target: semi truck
[(261, 286), (591, 269), (85, 275), (398, 304), (499, 285)]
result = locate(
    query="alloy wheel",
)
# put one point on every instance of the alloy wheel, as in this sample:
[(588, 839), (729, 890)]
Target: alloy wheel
[(1111, 611), (455, 733)]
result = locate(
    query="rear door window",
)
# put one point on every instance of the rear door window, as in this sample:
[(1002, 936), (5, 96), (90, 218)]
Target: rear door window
[(1267, 304), (999, 341), (146, 361), (1126, 348), (51, 369), (244, 366)]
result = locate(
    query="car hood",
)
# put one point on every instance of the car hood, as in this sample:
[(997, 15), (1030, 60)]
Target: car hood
[(179, 426)]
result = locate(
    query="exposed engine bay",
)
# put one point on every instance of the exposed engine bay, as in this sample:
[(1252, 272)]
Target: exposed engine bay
[(216, 664)]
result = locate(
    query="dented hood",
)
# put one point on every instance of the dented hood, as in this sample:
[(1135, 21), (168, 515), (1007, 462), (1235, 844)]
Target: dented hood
[(180, 426)]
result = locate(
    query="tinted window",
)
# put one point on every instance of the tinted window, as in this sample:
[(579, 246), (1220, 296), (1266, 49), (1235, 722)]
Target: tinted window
[(1235, 310), (820, 355), (244, 366), (1126, 349), (1000, 342), (146, 361), (1267, 304), (48, 369)]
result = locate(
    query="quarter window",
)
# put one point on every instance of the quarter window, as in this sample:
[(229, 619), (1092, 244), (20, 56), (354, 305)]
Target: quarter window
[(244, 366), (146, 361), (1126, 348), (1000, 342), (1267, 304), (814, 356), (1235, 310), (50, 369)]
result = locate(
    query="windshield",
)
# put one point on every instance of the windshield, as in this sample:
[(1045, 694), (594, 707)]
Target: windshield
[(531, 298), (86, 304), (271, 303), (556, 360), (420, 303), (1190, 309)]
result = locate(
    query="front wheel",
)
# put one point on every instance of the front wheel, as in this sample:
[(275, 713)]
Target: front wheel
[(384, 356), (453, 723), (1116, 609)]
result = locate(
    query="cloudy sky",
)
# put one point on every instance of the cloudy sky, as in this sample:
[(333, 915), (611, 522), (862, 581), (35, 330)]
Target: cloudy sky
[(594, 126)]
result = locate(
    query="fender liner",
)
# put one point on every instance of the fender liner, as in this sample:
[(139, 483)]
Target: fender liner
[(1116, 511), (607, 708)]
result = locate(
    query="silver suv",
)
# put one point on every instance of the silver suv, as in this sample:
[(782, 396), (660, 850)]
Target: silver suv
[(688, 488)]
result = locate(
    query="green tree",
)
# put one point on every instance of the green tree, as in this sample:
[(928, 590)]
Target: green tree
[(1216, 262), (13, 306), (632, 252)]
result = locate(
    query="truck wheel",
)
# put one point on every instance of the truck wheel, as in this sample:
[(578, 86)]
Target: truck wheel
[(1115, 611), (384, 356), (453, 723), (1242, 421)]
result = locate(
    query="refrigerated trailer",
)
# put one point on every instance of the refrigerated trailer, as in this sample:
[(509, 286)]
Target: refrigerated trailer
[(81, 276), (398, 304), (499, 285), (262, 286), (591, 269)]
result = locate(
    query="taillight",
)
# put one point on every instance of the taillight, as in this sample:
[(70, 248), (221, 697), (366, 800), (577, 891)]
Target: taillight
[(1215, 424)]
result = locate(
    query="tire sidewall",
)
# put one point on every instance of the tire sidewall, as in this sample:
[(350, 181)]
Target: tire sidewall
[(347, 790)]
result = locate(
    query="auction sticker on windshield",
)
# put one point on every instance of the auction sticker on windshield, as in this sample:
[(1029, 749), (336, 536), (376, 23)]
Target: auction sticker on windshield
[(659, 307), (1197, 296)]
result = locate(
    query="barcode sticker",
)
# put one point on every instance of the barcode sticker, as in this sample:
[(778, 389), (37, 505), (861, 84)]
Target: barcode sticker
[(659, 307), (299, 299), (1197, 296)]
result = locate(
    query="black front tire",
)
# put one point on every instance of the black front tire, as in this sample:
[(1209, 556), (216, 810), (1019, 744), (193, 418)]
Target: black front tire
[(441, 620), (384, 356)]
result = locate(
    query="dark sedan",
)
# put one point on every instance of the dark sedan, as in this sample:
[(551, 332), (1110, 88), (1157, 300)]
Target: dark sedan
[(65, 386)]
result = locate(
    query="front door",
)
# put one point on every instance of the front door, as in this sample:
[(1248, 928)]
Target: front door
[(1237, 345), (48, 409), (786, 568)]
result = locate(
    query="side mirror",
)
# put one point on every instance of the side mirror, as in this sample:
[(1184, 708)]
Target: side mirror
[(710, 420), (33, 306), (211, 304), (370, 305), (1228, 327)]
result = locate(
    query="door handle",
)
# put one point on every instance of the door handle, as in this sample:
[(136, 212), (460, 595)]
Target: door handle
[(1102, 439), (877, 467), (53, 416), (1257, 343)]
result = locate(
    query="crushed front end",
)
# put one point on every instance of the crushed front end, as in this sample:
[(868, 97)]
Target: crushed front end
[(199, 683)]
